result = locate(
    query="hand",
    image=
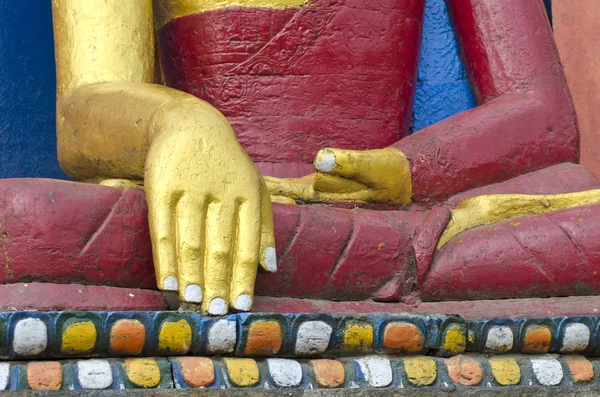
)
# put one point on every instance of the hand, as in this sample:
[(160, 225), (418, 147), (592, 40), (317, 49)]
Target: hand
[(210, 214), (380, 175)]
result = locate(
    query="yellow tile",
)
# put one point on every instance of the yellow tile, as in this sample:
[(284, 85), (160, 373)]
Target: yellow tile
[(243, 372), (421, 371), (358, 337), (143, 372), (175, 337), (455, 340), (79, 338), (506, 371)]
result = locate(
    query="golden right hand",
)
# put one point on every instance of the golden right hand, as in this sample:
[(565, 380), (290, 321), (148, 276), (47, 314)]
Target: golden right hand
[(210, 214)]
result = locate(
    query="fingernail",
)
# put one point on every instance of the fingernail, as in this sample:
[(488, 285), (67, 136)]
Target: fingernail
[(170, 284), (271, 259), (325, 161), (193, 293), (243, 302), (217, 307)]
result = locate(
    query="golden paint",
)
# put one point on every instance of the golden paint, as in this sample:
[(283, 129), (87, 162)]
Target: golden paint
[(202, 188), (455, 339), (143, 372), (243, 372), (175, 337), (358, 337), (506, 371), (379, 175), (421, 371), (485, 210), (169, 10), (79, 338)]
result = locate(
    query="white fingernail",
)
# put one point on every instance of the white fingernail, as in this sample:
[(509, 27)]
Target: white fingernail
[(193, 293), (325, 161), (271, 259), (243, 302), (170, 284), (217, 307)]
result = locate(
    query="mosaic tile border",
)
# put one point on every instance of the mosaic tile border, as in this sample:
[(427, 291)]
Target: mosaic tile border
[(368, 372), (565, 335), (127, 334), (124, 334)]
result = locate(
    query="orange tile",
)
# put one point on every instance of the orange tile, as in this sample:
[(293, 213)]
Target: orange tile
[(197, 371), (127, 337), (264, 338), (44, 375), (328, 373), (465, 371), (403, 338), (537, 339), (581, 369)]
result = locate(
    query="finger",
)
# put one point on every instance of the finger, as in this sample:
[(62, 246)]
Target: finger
[(162, 234), (336, 184), (246, 254), (297, 188), (268, 256), (363, 166), (190, 250), (220, 224)]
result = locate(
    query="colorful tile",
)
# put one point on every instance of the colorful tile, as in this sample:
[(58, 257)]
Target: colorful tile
[(328, 373), (421, 371), (284, 372), (376, 371), (547, 371), (312, 338), (242, 372), (94, 374), (127, 337), (175, 337), (78, 338), (44, 375), (537, 339), (358, 337), (581, 369), (30, 337), (264, 338), (197, 371), (506, 371), (465, 370), (403, 338)]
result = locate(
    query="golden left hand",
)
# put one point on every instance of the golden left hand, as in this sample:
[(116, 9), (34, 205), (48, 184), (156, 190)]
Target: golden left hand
[(210, 214), (380, 175)]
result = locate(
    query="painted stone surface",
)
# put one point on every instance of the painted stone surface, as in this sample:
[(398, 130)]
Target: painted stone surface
[(371, 372)]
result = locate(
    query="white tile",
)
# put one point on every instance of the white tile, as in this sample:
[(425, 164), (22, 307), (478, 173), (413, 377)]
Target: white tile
[(30, 337), (313, 337), (376, 370), (576, 339), (4, 375), (94, 374), (547, 371), (221, 337), (285, 373), (499, 339)]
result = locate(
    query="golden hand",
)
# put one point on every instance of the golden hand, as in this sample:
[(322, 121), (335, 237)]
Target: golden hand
[(380, 175), (210, 214)]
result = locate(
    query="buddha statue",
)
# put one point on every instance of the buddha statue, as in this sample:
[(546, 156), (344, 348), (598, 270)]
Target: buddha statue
[(219, 107)]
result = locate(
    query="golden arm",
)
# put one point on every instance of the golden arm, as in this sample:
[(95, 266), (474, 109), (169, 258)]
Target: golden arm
[(203, 190)]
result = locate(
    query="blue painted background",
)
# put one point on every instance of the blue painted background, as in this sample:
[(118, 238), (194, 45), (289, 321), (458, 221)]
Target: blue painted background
[(27, 90), (27, 84), (442, 86)]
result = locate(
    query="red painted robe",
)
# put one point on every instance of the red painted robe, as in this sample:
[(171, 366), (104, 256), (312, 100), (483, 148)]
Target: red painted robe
[(342, 74)]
